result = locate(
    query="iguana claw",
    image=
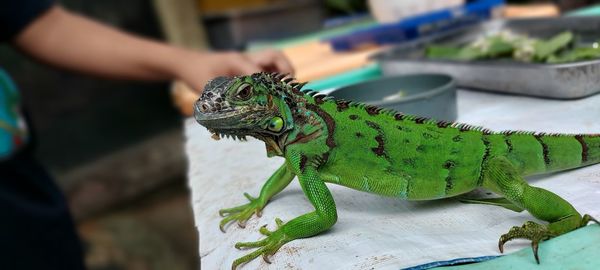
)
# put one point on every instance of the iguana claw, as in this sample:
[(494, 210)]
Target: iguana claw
[(587, 218), (266, 258), (266, 247), (538, 233), (241, 213), (530, 230)]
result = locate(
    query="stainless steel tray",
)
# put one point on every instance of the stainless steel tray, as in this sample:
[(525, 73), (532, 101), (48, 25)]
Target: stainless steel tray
[(563, 81)]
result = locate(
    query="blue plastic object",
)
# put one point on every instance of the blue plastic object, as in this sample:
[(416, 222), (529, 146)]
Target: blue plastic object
[(417, 26), (371, 71), (578, 249)]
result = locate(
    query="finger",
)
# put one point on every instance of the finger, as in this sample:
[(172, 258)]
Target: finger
[(281, 62), (242, 65), (272, 60)]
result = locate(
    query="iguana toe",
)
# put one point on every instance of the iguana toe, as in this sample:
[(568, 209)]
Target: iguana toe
[(530, 230), (266, 247), (241, 213), (587, 218), (264, 231)]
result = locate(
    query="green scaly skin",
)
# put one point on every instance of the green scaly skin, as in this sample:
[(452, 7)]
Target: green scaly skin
[(383, 152)]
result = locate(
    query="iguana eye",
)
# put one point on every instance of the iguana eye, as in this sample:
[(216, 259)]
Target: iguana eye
[(276, 124), (244, 92)]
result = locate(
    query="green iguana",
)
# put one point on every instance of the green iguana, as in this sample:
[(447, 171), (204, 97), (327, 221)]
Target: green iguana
[(363, 147)]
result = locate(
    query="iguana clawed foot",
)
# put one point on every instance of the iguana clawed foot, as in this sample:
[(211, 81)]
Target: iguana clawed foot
[(266, 247), (241, 213), (538, 233), (530, 230)]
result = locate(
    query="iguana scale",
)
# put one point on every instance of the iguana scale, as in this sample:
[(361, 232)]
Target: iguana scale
[(363, 147)]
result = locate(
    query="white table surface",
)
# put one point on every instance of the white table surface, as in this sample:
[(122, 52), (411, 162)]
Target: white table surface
[(373, 232)]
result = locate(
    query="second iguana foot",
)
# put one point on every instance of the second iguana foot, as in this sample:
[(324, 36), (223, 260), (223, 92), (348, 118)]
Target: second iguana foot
[(538, 233), (530, 230)]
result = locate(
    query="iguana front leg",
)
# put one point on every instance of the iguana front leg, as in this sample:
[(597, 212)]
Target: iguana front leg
[(324, 216), (275, 184), (501, 177)]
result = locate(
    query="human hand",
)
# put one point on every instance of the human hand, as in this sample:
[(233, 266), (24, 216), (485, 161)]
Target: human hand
[(198, 68)]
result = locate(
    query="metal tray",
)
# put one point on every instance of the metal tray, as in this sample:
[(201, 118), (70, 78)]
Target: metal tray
[(561, 81)]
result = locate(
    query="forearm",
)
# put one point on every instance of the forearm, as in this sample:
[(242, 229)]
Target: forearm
[(69, 41)]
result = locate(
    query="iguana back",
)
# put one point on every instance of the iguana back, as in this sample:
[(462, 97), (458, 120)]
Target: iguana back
[(416, 158)]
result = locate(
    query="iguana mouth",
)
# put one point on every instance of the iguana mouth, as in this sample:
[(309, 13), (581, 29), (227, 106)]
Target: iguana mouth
[(219, 134)]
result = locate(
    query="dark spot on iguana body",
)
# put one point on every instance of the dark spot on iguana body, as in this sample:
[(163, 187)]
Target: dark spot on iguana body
[(353, 117), (486, 156), (545, 150), (296, 91), (420, 120), (399, 116), (404, 128), (380, 149), (329, 122), (449, 164), (303, 160), (358, 135), (427, 136), (464, 128), (342, 105), (319, 99), (380, 139), (372, 110), (584, 148), (449, 183), (508, 142), (457, 138), (421, 148), (443, 124)]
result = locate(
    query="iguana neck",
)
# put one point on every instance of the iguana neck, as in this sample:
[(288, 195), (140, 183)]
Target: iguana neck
[(313, 126)]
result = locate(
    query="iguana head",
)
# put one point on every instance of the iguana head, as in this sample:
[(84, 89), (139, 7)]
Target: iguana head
[(247, 106)]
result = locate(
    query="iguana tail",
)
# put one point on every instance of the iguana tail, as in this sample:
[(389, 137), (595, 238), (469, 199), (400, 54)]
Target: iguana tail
[(535, 153)]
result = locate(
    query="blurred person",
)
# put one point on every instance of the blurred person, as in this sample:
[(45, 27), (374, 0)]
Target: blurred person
[(36, 228)]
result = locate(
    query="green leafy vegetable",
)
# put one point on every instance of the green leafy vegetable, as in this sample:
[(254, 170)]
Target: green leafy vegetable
[(508, 45), (544, 49)]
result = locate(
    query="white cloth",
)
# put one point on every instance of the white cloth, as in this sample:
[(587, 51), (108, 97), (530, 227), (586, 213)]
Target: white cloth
[(374, 232)]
